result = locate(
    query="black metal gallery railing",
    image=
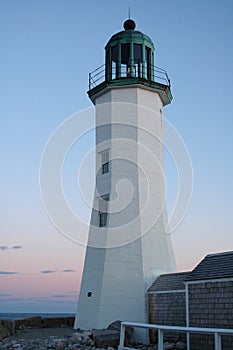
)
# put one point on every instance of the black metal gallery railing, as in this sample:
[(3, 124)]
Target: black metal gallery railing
[(116, 70)]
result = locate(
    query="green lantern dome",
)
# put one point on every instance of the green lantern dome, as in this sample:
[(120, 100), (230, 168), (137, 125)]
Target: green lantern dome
[(130, 60), (129, 53)]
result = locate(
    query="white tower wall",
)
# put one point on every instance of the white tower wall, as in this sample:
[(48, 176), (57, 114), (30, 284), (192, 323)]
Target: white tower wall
[(135, 246)]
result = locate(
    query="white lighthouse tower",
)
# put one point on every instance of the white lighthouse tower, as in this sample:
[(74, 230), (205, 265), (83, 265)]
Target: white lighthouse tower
[(128, 245)]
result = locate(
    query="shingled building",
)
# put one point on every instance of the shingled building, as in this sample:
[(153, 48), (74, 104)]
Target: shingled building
[(200, 298)]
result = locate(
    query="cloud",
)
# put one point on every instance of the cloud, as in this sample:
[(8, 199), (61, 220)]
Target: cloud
[(48, 271), (3, 247), (59, 296), (8, 273), (69, 270), (5, 295)]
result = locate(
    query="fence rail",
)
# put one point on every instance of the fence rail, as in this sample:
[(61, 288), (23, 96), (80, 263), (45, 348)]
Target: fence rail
[(139, 70), (217, 333)]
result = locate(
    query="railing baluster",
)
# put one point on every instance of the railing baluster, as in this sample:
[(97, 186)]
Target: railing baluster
[(89, 80), (217, 341), (122, 336), (160, 339)]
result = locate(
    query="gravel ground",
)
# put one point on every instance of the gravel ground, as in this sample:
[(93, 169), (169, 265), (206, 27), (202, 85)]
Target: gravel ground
[(47, 338), (64, 339)]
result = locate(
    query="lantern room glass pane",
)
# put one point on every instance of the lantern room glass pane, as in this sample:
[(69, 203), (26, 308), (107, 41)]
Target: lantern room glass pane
[(114, 59), (137, 53), (125, 53), (148, 63), (125, 60), (114, 53), (108, 71)]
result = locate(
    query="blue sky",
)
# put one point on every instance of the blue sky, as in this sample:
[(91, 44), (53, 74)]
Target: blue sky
[(47, 50)]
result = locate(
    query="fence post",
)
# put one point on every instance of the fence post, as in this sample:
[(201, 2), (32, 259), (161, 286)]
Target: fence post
[(217, 341), (122, 337), (160, 339)]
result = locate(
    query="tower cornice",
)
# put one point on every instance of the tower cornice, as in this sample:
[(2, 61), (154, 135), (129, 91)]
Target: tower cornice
[(163, 90)]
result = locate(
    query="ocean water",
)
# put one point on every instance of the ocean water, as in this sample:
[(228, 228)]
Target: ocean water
[(18, 316)]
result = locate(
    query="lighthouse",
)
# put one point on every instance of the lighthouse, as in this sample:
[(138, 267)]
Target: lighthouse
[(128, 245)]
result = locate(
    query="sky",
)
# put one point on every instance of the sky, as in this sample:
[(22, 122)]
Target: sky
[(48, 49)]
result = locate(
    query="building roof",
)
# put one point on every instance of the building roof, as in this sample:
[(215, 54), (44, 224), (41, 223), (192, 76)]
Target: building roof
[(168, 282), (213, 266)]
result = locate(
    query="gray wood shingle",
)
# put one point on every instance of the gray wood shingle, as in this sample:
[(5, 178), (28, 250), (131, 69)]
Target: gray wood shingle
[(171, 281), (213, 266)]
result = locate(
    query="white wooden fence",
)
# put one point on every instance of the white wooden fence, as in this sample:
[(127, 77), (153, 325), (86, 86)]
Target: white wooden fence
[(217, 333)]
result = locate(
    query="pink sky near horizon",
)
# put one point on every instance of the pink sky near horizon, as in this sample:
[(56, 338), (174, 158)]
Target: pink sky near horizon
[(47, 271), (34, 284)]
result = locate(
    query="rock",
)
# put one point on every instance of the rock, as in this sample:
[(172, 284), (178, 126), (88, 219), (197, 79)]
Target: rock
[(30, 322), (55, 322), (128, 334), (110, 348), (70, 321), (9, 325), (168, 346), (3, 332), (180, 345), (106, 338), (86, 334), (116, 325), (77, 334)]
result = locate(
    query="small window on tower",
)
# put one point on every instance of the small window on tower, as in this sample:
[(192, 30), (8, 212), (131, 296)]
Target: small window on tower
[(105, 162), (102, 219), (105, 168), (89, 294), (103, 210)]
